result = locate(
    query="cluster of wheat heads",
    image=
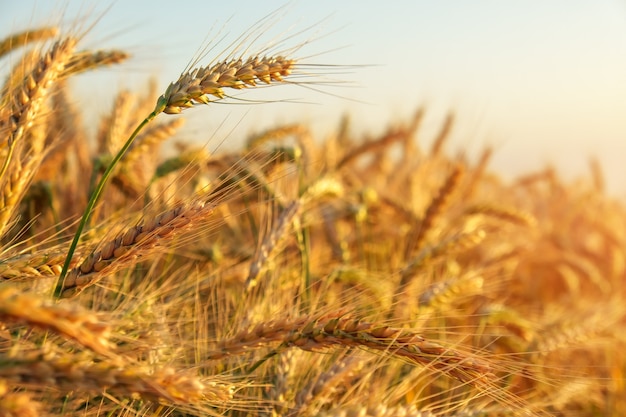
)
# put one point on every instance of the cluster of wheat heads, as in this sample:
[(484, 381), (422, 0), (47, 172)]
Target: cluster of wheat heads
[(295, 277)]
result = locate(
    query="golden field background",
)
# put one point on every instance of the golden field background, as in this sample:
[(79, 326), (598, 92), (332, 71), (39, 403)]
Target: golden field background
[(297, 275)]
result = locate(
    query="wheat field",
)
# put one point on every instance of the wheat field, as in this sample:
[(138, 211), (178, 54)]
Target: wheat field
[(296, 276)]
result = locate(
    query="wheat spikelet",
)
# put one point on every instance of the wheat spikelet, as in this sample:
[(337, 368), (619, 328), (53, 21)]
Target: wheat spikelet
[(430, 254), (26, 98), (197, 86), (282, 385), (136, 170), (449, 246), (117, 126), (60, 130), (18, 73), (325, 187), (477, 173), (568, 332), (127, 109), (507, 322), (575, 392), (150, 139)]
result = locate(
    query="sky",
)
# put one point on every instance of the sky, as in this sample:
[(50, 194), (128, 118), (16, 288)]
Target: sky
[(541, 82)]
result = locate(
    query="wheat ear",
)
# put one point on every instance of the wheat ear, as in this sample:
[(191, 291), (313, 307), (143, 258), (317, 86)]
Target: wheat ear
[(14, 404), (271, 243), (197, 86), (382, 410), (339, 330), (71, 373), (324, 389), (88, 60), (76, 324), (443, 136), (20, 39), (136, 242), (416, 239), (25, 103)]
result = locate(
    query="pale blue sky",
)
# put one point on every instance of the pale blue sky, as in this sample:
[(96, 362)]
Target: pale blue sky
[(541, 81)]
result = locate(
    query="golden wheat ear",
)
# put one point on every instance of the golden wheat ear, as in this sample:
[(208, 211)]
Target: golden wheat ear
[(197, 86), (77, 324), (21, 140)]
